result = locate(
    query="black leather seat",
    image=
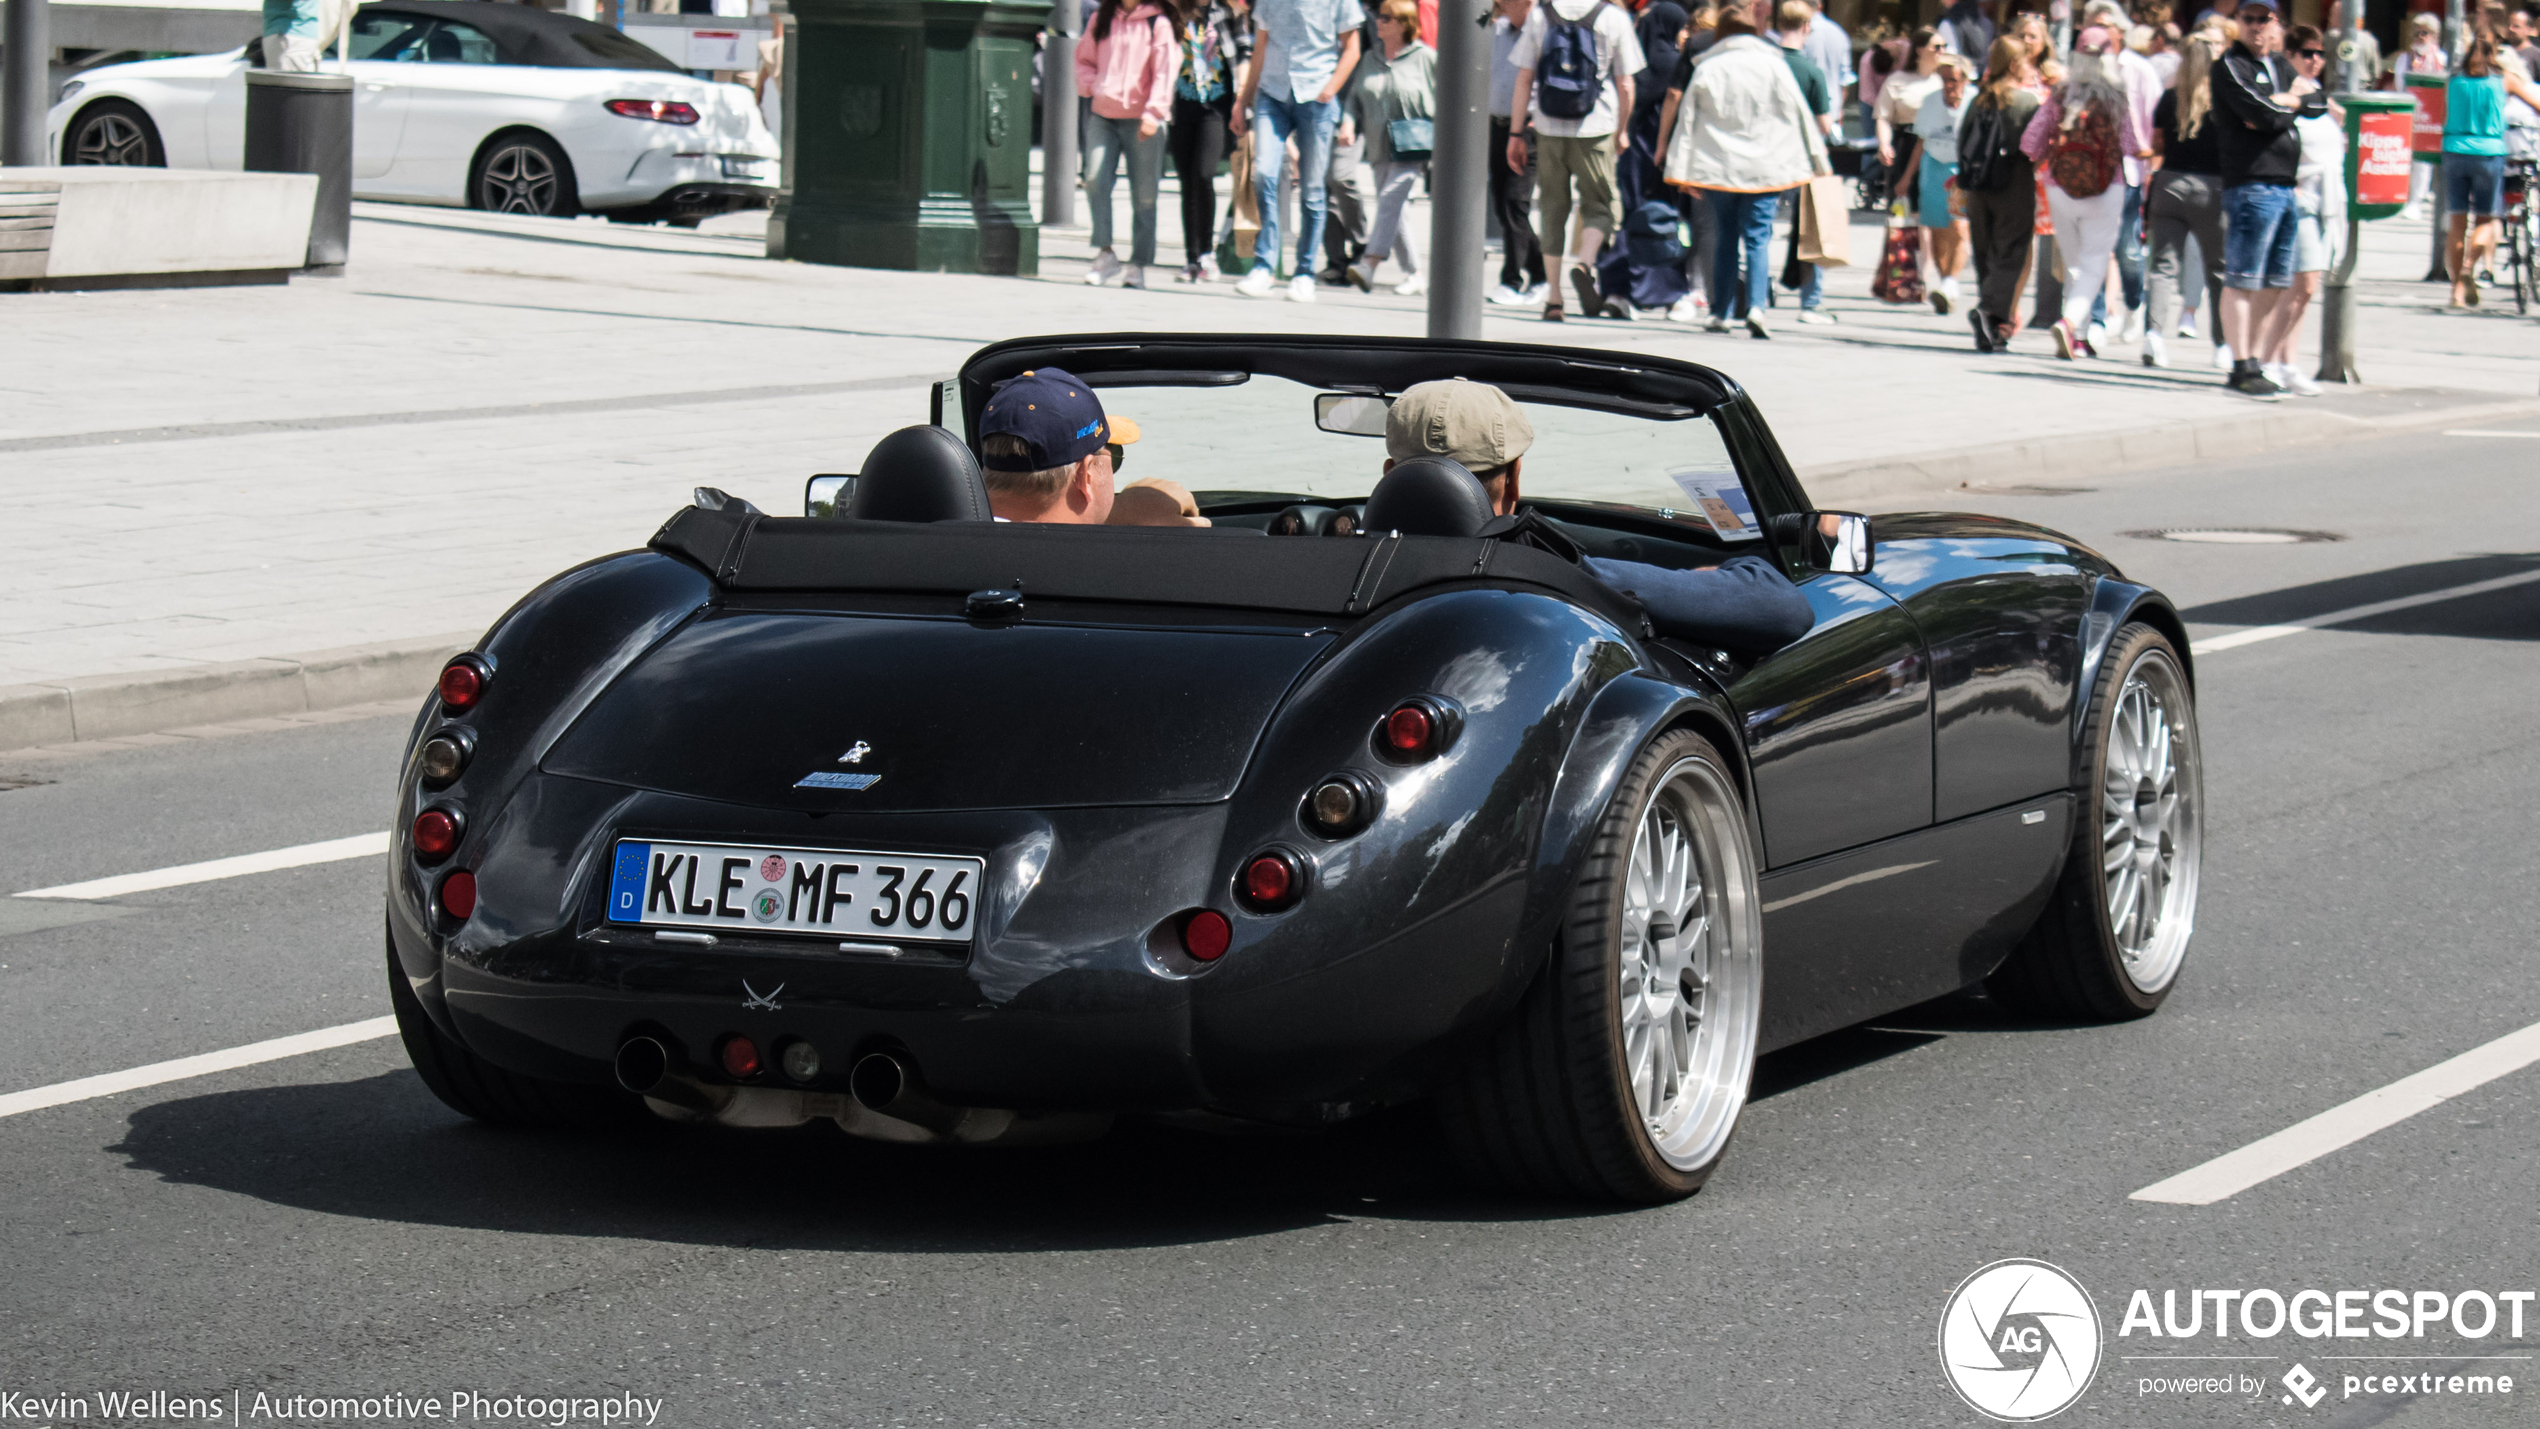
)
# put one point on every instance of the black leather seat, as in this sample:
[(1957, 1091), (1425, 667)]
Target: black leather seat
[(1428, 496), (923, 473)]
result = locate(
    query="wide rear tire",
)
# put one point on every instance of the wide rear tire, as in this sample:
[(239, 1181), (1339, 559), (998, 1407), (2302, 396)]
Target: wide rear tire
[(473, 1087), (2114, 934), (1621, 1075), (524, 172)]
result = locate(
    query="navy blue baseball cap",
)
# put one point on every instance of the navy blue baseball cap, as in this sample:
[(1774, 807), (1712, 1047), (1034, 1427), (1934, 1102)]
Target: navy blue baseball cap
[(1058, 417)]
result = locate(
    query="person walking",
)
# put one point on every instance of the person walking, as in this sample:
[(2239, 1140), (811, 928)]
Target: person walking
[(2474, 160), (1302, 53), (1967, 32), (2140, 84), (2080, 137), (1997, 185), (2423, 55), (1646, 267), (1214, 40), (2319, 208), (1742, 135), (1349, 183), (2185, 206), (1575, 61), (1125, 65), (1512, 188), (1792, 22), (1396, 108), (1900, 101), (2257, 98), (1828, 46), (1931, 174)]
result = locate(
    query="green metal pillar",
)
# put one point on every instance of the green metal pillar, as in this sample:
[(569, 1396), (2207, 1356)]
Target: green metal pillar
[(908, 136)]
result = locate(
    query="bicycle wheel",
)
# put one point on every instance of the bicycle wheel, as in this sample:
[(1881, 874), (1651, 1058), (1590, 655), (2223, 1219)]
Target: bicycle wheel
[(2524, 241)]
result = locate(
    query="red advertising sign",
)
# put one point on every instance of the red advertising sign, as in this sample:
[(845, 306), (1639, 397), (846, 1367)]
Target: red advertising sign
[(2430, 95), (2381, 158)]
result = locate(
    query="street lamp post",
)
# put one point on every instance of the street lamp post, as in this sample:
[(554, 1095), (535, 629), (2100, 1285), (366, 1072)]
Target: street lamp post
[(1457, 201), (25, 90), (1058, 114)]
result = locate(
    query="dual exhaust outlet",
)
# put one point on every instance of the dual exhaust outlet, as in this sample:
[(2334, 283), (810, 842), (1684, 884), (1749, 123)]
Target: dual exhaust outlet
[(881, 1085)]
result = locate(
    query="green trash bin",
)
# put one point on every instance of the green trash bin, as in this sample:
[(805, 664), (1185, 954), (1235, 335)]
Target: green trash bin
[(2378, 144), (908, 136)]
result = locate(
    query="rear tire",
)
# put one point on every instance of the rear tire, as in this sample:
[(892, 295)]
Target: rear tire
[(1622, 1072), (2114, 933), (114, 132), (473, 1087), (524, 172)]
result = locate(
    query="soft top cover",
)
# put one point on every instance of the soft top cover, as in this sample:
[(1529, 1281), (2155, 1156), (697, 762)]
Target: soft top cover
[(1338, 576), (527, 35)]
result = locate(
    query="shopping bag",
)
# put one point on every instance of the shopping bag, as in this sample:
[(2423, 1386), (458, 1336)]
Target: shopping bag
[(1825, 234), (1900, 276), (1246, 224)]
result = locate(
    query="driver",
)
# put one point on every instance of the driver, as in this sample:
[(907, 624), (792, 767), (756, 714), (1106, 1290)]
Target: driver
[(1744, 603), (1048, 452)]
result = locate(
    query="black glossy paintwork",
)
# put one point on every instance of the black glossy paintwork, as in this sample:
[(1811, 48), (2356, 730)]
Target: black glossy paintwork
[(1115, 768)]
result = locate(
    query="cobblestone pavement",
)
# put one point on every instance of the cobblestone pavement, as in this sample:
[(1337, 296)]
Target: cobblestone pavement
[(223, 474)]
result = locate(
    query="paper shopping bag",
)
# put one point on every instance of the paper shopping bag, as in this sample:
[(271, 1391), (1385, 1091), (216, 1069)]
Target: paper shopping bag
[(1825, 234)]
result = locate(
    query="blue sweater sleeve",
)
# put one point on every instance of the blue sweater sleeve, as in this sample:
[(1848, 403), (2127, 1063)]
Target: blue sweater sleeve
[(1744, 603)]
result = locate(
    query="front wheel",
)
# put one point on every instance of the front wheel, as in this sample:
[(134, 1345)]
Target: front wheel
[(114, 132), (525, 173), (1622, 1073), (2114, 932)]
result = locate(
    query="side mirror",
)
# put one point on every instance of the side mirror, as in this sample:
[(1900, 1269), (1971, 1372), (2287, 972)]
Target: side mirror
[(1839, 541), (825, 496), (1351, 414)]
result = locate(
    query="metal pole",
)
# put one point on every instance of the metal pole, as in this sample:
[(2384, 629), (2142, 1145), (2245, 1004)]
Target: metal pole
[(26, 89), (2439, 269), (2337, 309), (1058, 115), (1459, 184)]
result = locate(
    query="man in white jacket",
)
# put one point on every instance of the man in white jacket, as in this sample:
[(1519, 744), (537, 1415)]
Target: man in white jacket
[(1739, 131)]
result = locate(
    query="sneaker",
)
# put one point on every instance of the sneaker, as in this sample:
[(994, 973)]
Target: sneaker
[(1984, 331), (2133, 329), (2250, 382), (1506, 297), (1685, 310), (1717, 324), (1190, 274), (2290, 378), (2156, 353), (1583, 282), (2187, 326), (1300, 289), (1257, 283), (1133, 276), (2002, 335), (2067, 346), (2222, 357), (2094, 335), (1362, 276), (1622, 312), (1949, 289), (1106, 267), (1412, 286), (1940, 300), (1815, 317), (1755, 326)]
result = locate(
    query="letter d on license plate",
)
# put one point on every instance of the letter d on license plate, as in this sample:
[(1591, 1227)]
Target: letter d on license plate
[(826, 893)]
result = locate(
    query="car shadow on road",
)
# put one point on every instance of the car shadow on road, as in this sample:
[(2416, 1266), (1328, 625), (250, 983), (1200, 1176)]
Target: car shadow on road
[(2512, 613), (381, 1148)]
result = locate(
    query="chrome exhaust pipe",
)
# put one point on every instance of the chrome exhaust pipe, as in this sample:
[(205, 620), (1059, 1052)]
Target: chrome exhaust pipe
[(886, 1085), (644, 1067)]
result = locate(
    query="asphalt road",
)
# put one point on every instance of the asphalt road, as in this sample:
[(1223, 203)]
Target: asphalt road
[(320, 1225)]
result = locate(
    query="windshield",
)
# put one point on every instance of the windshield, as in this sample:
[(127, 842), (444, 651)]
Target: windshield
[(1262, 436)]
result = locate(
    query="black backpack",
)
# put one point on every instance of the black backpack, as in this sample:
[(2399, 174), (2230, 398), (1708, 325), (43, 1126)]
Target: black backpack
[(1568, 78), (1982, 139)]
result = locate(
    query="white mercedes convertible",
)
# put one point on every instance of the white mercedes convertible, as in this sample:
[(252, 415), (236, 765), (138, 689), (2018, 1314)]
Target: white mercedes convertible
[(464, 102)]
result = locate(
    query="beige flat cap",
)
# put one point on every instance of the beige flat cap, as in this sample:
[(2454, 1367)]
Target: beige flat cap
[(1470, 422)]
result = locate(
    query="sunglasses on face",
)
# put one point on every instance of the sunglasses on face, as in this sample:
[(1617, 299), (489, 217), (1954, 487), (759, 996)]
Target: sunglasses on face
[(2257, 18), (1118, 454), (2310, 54)]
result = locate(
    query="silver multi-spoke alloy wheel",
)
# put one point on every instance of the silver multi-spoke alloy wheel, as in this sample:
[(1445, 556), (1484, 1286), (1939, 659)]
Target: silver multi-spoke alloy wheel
[(111, 138), (519, 177), (2150, 836), (1690, 964)]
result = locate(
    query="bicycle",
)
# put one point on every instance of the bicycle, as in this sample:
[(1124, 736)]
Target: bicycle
[(2522, 231)]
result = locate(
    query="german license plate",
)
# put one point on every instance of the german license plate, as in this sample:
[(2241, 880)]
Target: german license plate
[(829, 893)]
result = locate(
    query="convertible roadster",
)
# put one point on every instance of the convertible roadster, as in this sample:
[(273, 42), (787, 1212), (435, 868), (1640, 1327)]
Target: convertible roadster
[(953, 830)]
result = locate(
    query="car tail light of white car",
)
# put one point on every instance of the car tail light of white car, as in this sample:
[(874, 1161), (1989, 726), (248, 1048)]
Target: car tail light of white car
[(662, 111)]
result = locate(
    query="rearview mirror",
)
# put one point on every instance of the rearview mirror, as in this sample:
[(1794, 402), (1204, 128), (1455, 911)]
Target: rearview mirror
[(825, 496), (1350, 414), (1839, 541)]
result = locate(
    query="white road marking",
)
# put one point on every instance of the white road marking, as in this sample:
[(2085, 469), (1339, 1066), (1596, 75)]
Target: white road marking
[(2341, 1126), (2482, 432), (331, 851), (2256, 633), (297, 1044)]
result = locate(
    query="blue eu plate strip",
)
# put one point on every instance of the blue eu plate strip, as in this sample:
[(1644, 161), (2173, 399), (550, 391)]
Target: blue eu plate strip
[(827, 780), (626, 882)]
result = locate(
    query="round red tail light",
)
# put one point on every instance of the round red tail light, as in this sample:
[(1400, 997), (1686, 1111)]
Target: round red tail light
[(1271, 881), (1408, 731), (740, 1058), (1206, 934), (1419, 728), (463, 682), (458, 895), (436, 834)]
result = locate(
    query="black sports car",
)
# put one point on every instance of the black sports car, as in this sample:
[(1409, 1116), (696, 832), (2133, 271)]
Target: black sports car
[(954, 830)]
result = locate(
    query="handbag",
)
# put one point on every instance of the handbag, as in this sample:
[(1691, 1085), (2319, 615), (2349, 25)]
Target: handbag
[(1900, 276), (1825, 234), (1411, 138), (1243, 223)]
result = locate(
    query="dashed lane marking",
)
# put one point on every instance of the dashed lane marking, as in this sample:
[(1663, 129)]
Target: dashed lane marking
[(300, 856), (298, 1044), (2256, 633)]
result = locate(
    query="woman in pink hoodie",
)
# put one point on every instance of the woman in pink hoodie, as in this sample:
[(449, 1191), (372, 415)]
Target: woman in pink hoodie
[(1125, 65)]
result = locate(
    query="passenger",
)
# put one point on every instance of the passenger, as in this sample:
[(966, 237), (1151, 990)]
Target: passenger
[(1744, 603), (1047, 452)]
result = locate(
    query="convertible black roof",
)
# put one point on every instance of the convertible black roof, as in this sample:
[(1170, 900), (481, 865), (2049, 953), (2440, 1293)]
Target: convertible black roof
[(1219, 567), (527, 35)]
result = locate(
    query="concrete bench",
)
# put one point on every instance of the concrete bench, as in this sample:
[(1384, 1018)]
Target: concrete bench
[(110, 227)]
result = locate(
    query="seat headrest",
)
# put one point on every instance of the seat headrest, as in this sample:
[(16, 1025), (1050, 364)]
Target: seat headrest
[(923, 473), (1428, 496)]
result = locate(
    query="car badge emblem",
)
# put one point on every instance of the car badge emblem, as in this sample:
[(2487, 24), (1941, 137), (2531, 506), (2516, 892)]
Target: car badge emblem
[(856, 755), (760, 1001), (831, 779)]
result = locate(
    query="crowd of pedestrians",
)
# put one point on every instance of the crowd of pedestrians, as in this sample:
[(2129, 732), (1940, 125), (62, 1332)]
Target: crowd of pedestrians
[(2183, 183)]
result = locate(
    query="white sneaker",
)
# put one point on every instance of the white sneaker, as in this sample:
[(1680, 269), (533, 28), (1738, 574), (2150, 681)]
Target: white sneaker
[(2291, 379), (1949, 290), (1133, 276), (1106, 266), (2132, 331), (1815, 316), (1717, 324), (1685, 310), (2095, 336), (2156, 351), (1301, 288), (2187, 326), (1257, 283), (1412, 286), (1506, 297), (2222, 357)]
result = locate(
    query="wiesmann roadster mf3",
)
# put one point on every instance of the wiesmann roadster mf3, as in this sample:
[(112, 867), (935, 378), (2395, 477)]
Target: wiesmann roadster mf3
[(946, 829)]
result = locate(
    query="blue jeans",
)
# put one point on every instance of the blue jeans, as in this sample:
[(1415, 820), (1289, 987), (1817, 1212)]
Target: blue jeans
[(1745, 226), (1273, 120), (2129, 256), (2259, 226), (1107, 141), (1812, 289)]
